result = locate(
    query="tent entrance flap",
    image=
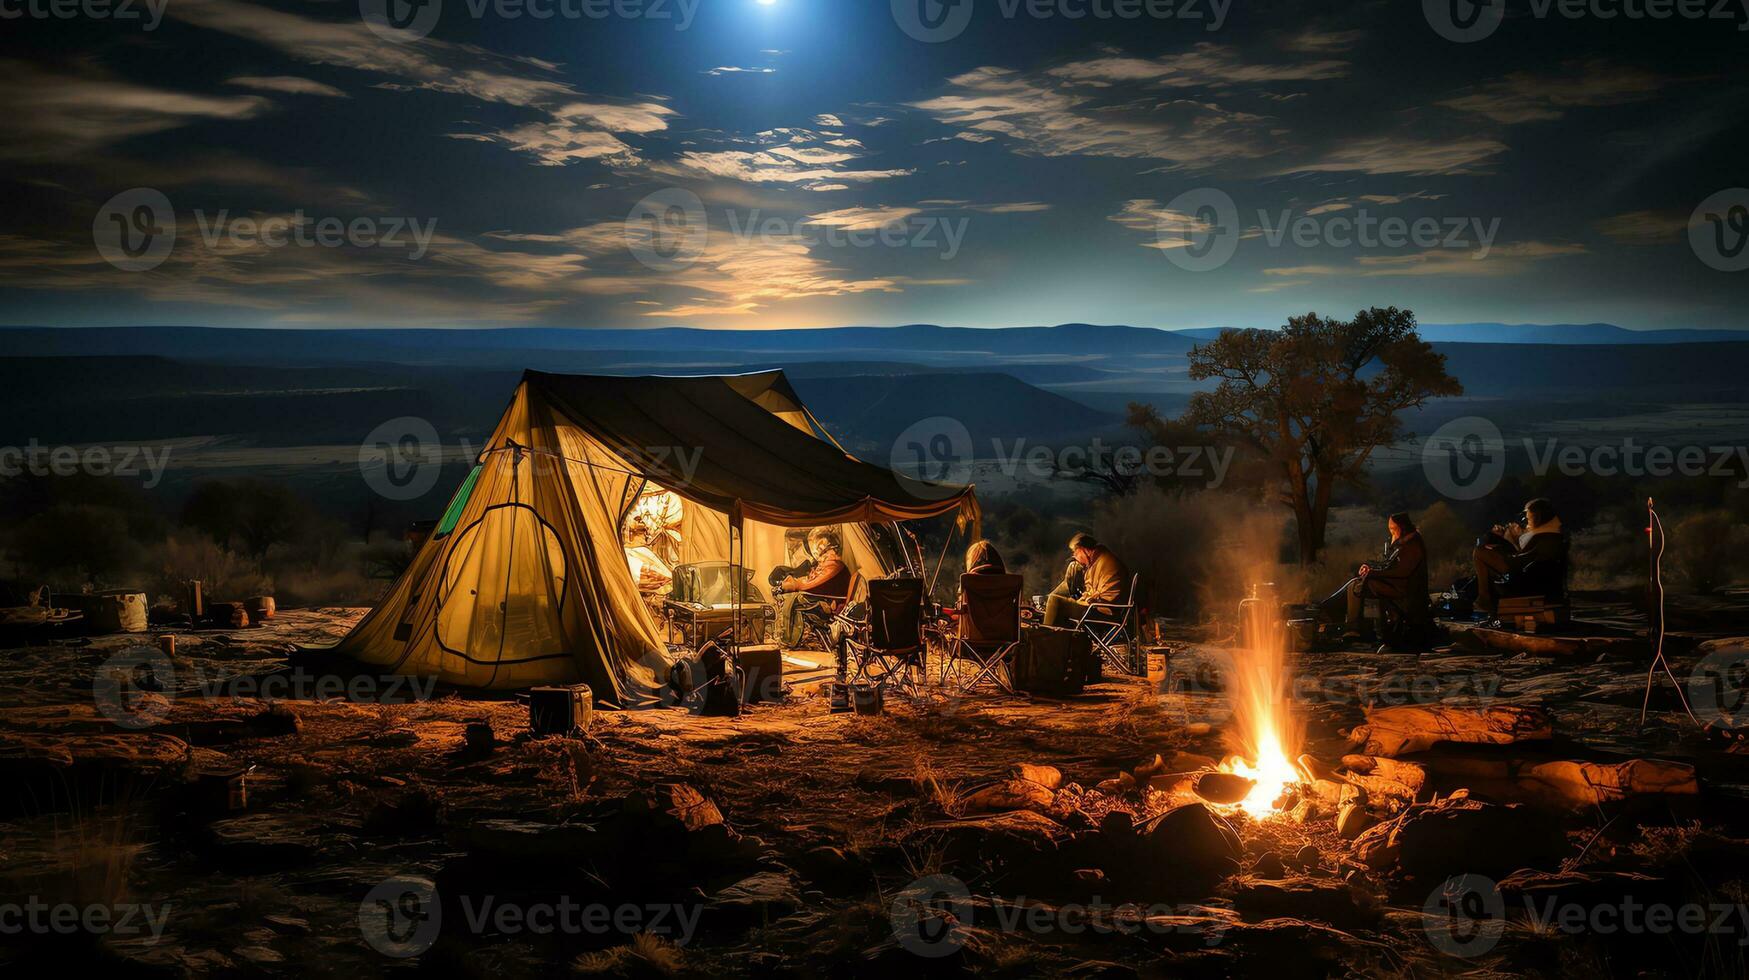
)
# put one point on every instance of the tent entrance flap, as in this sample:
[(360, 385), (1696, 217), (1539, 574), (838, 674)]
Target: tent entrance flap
[(503, 588)]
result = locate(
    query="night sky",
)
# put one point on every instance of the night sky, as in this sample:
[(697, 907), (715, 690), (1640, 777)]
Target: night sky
[(1000, 171)]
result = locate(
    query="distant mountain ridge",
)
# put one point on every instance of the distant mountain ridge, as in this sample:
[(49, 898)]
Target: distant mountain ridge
[(937, 344), (1542, 333), (857, 343)]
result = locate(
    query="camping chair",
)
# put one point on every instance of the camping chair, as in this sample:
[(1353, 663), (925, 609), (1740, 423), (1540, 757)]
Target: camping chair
[(1108, 626), (988, 632), (1539, 589), (889, 644), (819, 621), (1403, 626)]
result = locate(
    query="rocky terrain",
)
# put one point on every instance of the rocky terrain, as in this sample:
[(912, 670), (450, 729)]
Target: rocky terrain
[(1489, 808)]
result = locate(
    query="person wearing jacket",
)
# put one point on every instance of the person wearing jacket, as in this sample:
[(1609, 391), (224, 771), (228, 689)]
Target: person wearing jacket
[(1102, 579), (1515, 547), (823, 589), (1400, 578)]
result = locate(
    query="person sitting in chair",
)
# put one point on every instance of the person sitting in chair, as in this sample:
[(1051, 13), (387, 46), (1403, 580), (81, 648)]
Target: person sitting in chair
[(1102, 579), (821, 593), (1400, 578), (982, 558), (1513, 548)]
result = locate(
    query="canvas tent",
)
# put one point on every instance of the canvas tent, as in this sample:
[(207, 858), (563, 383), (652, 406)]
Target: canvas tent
[(524, 581)]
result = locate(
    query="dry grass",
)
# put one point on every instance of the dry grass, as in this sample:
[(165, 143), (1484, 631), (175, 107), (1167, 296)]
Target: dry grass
[(932, 787), (645, 956), (88, 861)]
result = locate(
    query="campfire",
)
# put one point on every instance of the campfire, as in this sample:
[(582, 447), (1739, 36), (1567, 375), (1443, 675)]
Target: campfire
[(1264, 729)]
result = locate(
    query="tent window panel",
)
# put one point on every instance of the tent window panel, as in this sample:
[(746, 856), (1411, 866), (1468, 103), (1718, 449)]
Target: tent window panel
[(503, 589), (458, 503)]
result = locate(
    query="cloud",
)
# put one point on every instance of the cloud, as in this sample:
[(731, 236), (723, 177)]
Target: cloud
[(806, 167), (863, 219), (736, 276), (1402, 155), (1052, 115), (1207, 65), (1400, 198), (1276, 287), (574, 127), (289, 84), (1501, 260), (1323, 41), (1168, 228), (584, 131), (730, 274), (733, 70), (1017, 207), (829, 120), (1644, 227), (1523, 97), (74, 115), (1346, 203)]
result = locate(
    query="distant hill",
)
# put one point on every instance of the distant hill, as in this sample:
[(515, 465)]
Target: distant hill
[(1668, 373), (89, 399), (869, 412), (466, 346), (1541, 333)]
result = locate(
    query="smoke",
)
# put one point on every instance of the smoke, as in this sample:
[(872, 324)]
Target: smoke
[(1198, 553)]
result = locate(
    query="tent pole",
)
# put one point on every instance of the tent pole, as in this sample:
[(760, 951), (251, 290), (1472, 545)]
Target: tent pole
[(737, 537)]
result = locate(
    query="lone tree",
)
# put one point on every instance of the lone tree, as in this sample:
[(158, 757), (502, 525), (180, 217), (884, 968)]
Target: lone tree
[(1315, 399)]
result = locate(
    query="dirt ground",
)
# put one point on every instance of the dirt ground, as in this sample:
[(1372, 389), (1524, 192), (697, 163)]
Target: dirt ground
[(391, 832)]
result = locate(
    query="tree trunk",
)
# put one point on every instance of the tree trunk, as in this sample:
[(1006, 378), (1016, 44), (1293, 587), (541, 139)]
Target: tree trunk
[(1305, 528), (1320, 514)]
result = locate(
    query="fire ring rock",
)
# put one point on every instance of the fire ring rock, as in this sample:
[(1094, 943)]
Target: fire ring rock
[(1189, 846)]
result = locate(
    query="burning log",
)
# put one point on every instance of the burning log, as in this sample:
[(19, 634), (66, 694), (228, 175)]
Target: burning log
[(1388, 781), (1562, 784), (1402, 729), (1010, 794), (1050, 777), (1222, 787), (1567, 647)]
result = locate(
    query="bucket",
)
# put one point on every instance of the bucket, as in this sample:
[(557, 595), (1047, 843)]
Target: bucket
[(867, 699)]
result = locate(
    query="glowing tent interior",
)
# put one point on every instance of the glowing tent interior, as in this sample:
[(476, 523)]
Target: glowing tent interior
[(524, 582)]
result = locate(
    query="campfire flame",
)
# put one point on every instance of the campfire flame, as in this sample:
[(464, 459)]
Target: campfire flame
[(1264, 728)]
